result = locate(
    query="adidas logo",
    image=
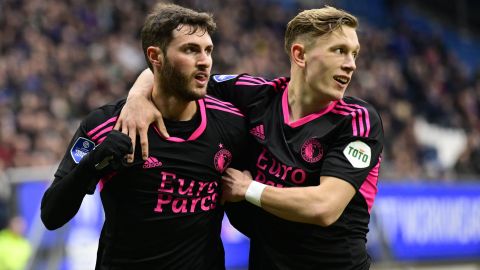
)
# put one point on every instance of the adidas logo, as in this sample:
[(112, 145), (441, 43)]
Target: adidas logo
[(258, 132), (151, 162)]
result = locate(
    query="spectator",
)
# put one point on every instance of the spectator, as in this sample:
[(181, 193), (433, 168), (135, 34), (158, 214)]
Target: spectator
[(61, 66), (15, 250)]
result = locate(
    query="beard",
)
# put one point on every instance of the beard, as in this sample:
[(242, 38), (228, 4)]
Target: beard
[(175, 83)]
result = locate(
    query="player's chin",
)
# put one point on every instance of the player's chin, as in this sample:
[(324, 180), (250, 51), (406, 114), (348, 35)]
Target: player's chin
[(337, 93), (202, 90), (199, 92)]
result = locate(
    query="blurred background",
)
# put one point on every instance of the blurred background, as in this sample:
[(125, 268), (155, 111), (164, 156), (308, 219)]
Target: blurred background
[(419, 65)]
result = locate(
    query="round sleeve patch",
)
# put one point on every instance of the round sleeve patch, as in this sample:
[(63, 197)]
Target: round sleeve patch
[(358, 154)]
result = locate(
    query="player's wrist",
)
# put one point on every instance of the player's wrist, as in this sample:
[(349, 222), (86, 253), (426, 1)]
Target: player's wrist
[(254, 193)]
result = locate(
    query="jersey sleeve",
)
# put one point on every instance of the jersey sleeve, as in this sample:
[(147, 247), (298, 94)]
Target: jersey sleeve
[(245, 91), (355, 155), (73, 178), (79, 146)]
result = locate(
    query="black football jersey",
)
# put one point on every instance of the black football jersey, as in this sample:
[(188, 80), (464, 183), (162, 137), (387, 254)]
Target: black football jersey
[(164, 213), (343, 140)]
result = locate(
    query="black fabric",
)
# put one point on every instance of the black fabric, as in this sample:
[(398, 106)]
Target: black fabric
[(296, 154), (162, 213)]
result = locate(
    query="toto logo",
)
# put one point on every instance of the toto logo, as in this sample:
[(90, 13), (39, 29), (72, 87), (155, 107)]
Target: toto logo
[(312, 150)]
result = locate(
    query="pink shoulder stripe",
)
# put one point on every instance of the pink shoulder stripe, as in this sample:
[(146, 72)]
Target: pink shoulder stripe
[(280, 80), (255, 81), (367, 116), (208, 97), (369, 187), (236, 112), (354, 123), (255, 84), (101, 140), (252, 79), (103, 131), (208, 101), (357, 112), (91, 132)]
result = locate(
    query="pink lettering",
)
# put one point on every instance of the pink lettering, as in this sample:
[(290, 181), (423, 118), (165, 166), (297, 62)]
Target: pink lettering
[(166, 182), (211, 187), (260, 158), (162, 199), (298, 176), (202, 185), (194, 203), (188, 191), (203, 204), (179, 209), (269, 166), (178, 198), (273, 170), (285, 171), (214, 200)]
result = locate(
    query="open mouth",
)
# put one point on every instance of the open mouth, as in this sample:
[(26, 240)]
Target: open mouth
[(201, 77), (343, 80)]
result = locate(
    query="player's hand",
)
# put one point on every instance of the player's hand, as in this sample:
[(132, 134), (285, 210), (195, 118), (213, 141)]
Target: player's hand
[(108, 156), (136, 116), (234, 185)]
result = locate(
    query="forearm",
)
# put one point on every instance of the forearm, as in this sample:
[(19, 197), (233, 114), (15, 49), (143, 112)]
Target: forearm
[(63, 198), (321, 205), (302, 204), (143, 85)]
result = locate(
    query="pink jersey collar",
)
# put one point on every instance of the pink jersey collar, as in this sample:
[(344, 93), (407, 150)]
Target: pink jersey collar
[(197, 132), (305, 119)]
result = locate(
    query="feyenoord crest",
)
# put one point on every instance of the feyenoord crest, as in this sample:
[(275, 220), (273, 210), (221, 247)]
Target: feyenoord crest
[(312, 150), (222, 159)]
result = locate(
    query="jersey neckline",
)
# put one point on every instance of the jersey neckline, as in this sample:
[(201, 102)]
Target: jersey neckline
[(200, 129), (305, 119)]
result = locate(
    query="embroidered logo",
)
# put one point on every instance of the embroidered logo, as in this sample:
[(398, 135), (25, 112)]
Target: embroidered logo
[(258, 132), (312, 150), (151, 162), (80, 148), (358, 153), (222, 159)]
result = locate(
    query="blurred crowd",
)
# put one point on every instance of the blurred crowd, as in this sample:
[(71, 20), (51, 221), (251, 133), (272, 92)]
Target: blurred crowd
[(61, 59)]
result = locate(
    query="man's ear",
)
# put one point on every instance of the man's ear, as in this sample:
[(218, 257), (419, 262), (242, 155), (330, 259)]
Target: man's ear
[(297, 51), (155, 56)]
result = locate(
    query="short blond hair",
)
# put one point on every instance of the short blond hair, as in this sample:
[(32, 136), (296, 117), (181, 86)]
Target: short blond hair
[(316, 22)]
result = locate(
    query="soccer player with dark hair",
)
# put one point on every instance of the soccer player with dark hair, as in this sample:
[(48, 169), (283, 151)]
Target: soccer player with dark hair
[(162, 212), (314, 166)]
